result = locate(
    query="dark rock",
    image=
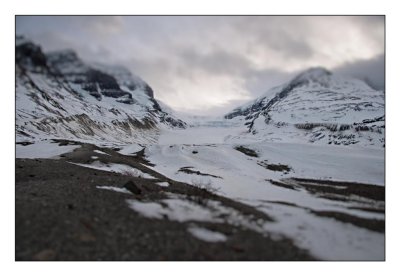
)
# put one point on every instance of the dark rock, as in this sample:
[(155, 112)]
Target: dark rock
[(131, 186), (24, 143), (105, 81), (172, 121), (149, 91), (29, 55)]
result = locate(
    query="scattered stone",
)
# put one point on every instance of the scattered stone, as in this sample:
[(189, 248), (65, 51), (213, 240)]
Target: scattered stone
[(195, 152), (247, 151), (189, 170), (275, 167), (131, 186)]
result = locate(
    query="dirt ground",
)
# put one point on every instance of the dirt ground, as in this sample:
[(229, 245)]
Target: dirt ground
[(61, 215)]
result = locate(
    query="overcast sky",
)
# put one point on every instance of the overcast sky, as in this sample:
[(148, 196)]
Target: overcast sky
[(210, 64)]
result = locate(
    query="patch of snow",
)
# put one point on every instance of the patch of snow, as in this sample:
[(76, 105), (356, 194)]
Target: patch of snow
[(177, 209), (43, 149), (162, 184), (180, 209), (130, 149), (138, 173), (199, 135), (206, 235), (115, 189), (101, 152), (117, 168), (147, 209), (327, 238), (94, 157)]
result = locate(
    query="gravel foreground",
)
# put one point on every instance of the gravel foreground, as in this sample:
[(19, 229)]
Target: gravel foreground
[(61, 215)]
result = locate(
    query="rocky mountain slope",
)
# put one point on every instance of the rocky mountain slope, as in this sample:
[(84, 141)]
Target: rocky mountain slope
[(318, 107), (60, 96)]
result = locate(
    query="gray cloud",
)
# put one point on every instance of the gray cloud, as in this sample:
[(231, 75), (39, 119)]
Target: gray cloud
[(203, 64), (282, 34), (216, 62), (371, 71), (261, 81)]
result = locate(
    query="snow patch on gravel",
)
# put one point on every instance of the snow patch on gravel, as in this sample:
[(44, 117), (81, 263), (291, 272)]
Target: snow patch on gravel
[(207, 235), (162, 184), (115, 189), (101, 152), (174, 209), (43, 149), (117, 168), (130, 149)]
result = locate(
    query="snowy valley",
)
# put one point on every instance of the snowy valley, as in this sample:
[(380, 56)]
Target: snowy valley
[(301, 169)]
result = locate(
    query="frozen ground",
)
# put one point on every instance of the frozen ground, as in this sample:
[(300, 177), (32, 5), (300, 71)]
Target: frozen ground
[(218, 156), (206, 156)]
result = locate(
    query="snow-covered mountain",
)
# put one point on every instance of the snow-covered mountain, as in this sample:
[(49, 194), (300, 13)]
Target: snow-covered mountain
[(319, 107), (60, 96)]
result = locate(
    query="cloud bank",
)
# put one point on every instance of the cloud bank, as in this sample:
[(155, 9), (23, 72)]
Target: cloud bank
[(210, 64)]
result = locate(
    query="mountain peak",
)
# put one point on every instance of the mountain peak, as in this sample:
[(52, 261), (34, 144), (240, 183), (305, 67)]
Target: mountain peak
[(28, 54), (313, 74)]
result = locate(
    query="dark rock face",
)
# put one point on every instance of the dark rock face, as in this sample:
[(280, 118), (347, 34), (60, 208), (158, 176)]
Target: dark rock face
[(149, 91), (30, 55), (63, 58), (97, 83), (172, 122), (105, 82)]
